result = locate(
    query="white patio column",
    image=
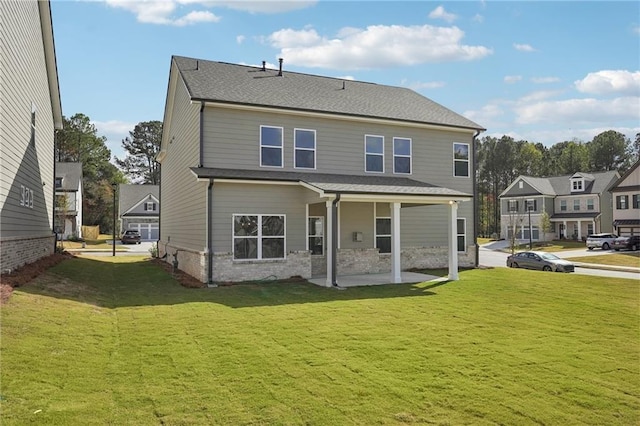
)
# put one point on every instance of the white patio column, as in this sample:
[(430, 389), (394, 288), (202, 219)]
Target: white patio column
[(329, 245), (564, 228), (453, 241), (593, 224), (396, 273), (579, 230)]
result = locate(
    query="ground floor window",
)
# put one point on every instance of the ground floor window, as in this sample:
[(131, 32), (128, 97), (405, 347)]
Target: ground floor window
[(383, 234), (258, 236), (534, 232), (589, 228), (316, 235), (462, 234)]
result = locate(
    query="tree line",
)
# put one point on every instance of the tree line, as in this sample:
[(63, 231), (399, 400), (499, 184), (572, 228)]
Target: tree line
[(501, 160), (78, 141)]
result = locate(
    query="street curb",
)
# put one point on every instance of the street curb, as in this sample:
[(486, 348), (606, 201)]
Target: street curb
[(606, 267)]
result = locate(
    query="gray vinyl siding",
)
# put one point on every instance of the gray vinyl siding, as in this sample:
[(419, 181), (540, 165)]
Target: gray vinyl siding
[(139, 208), (232, 140), (356, 217), (232, 198), (183, 217), (24, 80), (527, 189), (427, 226)]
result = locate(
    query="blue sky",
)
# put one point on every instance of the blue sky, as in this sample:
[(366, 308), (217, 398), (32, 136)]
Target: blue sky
[(540, 71)]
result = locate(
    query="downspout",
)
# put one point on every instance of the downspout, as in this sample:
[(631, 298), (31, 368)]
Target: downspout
[(201, 134), (476, 204), (210, 282), (334, 241)]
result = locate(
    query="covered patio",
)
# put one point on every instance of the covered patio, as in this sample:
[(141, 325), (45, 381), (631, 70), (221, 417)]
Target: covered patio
[(359, 280)]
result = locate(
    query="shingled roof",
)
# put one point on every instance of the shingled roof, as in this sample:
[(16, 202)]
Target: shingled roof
[(71, 174), (254, 86)]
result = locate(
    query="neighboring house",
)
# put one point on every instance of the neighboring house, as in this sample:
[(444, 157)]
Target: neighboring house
[(139, 209), (268, 173), (578, 205), (68, 184), (626, 202), (30, 113)]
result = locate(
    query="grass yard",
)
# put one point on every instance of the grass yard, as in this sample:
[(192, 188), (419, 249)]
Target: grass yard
[(118, 341), (621, 258), (553, 246)]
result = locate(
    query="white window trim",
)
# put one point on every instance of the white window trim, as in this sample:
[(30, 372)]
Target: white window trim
[(375, 227), (591, 203), (147, 203), (410, 156), (366, 153), (468, 161), (577, 185), (258, 237), (511, 203), (295, 148), (309, 236), (565, 205), (271, 146), (464, 235), (576, 202)]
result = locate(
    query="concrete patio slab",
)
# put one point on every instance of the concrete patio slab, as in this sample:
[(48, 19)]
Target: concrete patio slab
[(375, 279)]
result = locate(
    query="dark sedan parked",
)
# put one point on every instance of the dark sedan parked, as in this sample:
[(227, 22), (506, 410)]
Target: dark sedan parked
[(130, 237), (539, 260), (631, 242)]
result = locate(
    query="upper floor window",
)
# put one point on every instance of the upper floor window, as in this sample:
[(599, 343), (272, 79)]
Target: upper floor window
[(590, 204), (305, 149), (402, 155), (374, 153), (532, 205), (150, 206), (513, 206), (32, 141), (563, 205), (576, 205), (461, 159), (622, 202), (636, 201), (577, 185), (58, 182), (271, 154)]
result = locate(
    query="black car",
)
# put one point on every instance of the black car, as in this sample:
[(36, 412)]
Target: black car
[(631, 242), (130, 237)]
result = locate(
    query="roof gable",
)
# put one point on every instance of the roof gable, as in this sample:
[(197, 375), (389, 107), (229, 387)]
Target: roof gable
[(71, 174), (629, 179), (254, 86), (131, 196)]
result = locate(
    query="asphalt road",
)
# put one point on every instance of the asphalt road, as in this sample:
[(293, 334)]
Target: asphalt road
[(494, 258)]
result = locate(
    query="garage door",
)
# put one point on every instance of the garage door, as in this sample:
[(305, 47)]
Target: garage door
[(148, 231)]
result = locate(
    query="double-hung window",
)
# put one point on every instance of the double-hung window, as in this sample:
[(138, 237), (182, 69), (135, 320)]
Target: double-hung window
[(462, 234), (636, 201), (461, 159), (258, 236), (383, 234), (622, 202), (576, 205), (563, 205), (590, 204), (305, 149), (316, 235), (271, 154), (149, 206), (402, 155), (374, 153), (513, 206)]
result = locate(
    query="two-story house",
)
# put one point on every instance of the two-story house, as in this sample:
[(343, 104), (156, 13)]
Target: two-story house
[(269, 173), (68, 184), (577, 205), (30, 113), (626, 202), (139, 209)]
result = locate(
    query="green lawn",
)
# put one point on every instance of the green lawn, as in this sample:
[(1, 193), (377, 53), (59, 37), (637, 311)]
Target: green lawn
[(98, 342), (622, 258), (553, 246)]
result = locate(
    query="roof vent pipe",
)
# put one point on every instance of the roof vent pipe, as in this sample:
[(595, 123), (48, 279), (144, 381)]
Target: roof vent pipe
[(343, 85), (280, 71), (264, 65)]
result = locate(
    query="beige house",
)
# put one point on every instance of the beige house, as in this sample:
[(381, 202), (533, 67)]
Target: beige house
[(30, 113), (68, 184), (139, 209), (626, 202), (272, 174), (577, 205)]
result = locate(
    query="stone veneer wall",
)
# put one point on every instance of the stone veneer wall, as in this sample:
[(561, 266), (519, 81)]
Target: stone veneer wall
[(190, 261), (225, 269), (15, 252)]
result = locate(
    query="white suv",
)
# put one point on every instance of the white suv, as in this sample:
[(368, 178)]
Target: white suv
[(603, 241)]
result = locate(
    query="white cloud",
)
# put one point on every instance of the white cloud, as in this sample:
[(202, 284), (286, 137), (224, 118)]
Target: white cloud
[(240, 39), (510, 79), (523, 47), (478, 18), (539, 96), (162, 12), (346, 77), (579, 111), (545, 80), (440, 13), (610, 81), (419, 85), (258, 6), (376, 46), (115, 131)]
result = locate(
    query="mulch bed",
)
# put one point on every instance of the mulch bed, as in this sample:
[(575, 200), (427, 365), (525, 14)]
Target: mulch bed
[(22, 275)]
